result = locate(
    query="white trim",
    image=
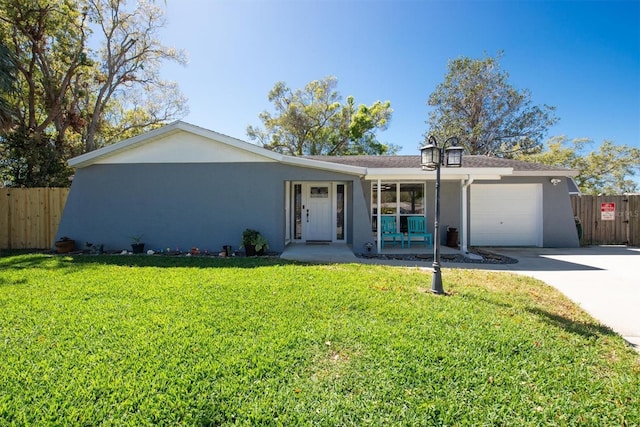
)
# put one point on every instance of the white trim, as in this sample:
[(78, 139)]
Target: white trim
[(464, 238), (287, 212), (446, 174), (318, 164), (564, 172)]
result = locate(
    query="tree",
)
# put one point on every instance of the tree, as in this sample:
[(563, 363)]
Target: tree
[(607, 170), (476, 103), (28, 160), (76, 98), (47, 40), (313, 121), (7, 87), (130, 61)]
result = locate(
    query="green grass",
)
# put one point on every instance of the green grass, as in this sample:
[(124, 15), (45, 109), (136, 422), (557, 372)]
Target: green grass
[(115, 340)]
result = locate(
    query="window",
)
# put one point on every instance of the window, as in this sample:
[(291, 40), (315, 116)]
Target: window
[(297, 209), (411, 202), (340, 212), (399, 199), (319, 192)]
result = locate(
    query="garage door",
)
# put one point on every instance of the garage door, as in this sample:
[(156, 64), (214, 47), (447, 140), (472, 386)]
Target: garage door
[(506, 215)]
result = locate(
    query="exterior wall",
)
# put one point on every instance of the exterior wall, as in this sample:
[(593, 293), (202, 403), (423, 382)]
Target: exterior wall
[(558, 225), (450, 208), (206, 205)]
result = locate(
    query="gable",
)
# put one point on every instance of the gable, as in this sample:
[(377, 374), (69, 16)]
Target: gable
[(178, 142), (181, 142), (182, 147)]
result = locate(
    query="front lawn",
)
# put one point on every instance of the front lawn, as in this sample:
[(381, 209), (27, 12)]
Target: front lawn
[(138, 340)]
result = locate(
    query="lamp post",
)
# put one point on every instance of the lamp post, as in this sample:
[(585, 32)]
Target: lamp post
[(432, 157)]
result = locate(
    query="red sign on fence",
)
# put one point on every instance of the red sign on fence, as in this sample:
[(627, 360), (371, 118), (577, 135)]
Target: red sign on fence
[(608, 211)]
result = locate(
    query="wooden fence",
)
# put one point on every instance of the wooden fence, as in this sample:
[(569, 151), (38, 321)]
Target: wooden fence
[(29, 217), (608, 220)]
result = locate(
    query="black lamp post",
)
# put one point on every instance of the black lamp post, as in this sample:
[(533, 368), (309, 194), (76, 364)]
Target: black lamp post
[(432, 158)]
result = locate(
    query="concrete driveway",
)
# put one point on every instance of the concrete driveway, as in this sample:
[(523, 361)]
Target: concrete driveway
[(603, 280)]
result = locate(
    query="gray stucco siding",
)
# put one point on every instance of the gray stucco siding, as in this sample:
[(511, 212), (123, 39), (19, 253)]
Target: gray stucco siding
[(450, 208), (558, 219), (206, 205)]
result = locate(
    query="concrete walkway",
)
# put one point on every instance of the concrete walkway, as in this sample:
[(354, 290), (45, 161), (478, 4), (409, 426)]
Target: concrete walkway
[(324, 253), (603, 280)]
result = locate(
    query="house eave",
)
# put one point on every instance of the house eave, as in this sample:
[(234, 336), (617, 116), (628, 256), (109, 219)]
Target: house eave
[(562, 172), (327, 166), (446, 174)]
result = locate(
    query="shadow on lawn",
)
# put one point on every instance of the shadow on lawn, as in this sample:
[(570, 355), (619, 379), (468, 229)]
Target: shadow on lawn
[(591, 329), (585, 329), (63, 261), (23, 261)]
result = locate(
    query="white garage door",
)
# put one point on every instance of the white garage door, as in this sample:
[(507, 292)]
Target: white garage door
[(506, 215)]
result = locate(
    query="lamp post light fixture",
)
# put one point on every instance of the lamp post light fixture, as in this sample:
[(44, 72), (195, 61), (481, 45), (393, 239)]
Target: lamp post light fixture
[(432, 157)]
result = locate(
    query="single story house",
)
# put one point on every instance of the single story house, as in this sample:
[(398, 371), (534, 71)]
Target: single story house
[(182, 186)]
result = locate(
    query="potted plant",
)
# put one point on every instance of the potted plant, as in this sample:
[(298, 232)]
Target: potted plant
[(253, 242), (65, 245), (137, 247)]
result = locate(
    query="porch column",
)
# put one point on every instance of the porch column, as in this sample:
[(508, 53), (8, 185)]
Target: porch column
[(379, 203), (464, 241)]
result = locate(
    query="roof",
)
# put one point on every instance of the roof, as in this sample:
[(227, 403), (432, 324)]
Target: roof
[(195, 145), (181, 142), (468, 161)]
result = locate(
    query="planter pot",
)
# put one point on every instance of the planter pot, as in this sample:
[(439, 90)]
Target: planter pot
[(65, 246), (137, 248), (250, 250), (452, 237)]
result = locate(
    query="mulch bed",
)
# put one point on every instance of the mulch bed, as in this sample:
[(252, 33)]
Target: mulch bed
[(487, 257)]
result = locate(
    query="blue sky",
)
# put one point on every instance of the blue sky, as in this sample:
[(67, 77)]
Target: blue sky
[(583, 57)]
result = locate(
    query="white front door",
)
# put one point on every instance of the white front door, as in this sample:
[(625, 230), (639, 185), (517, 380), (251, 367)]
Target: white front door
[(316, 216)]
